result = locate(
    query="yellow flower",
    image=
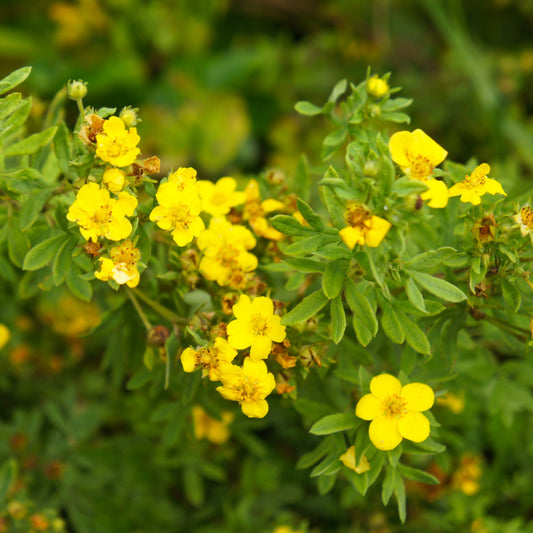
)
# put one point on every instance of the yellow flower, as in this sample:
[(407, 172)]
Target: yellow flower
[(286, 529), (211, 360), (114, 179), (256, 326), (363, 228), (178, 211), (224, 247), (348, 460), (377, 87), (525, 219), (454, 402), (116, 145), (207, 427), (476, 185), (416, 153), (466, 477), (4, 335), (183, 177), (122, 267), (99, 215), (218, 198), (255, 211), (249, 385), (395, 411)]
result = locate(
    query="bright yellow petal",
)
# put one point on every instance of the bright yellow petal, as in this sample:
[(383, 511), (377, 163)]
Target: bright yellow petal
[(383, 433), (422, 144), (239, 335), (229, 393), (398, 146), (261, 346), (254, 369), (255, 409), (263, 306), (352, 236), (188, 359), (419, 396), (243, 308), (377, 231), (369, 407), (272, 205), (494, 187), (437, 193), (275, 330), (384, 385), (456, 190), (414, 426)]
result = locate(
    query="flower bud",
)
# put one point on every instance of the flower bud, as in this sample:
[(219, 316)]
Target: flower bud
[(377, 87), (129, 116), (371, 168), (76, 89)]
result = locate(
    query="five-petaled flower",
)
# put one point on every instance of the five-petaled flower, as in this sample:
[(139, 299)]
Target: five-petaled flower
[(122, 266), (207, 427), (116, 145), (213, 361), (218, 198), (395, 411), (363, 228), (255, 211), (249, 385), (256, 326), (99, 215), (417, 154), (473, 187)]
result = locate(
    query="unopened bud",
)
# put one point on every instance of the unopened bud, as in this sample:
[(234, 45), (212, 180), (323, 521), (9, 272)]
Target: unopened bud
[(376, 87), (76, 89), (129, 116), (158, 335), (371, 168)]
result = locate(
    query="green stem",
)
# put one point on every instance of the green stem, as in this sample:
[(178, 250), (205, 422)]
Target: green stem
[(167, 371), (158, 308), (138, 308), (81, 109), (510, 328)]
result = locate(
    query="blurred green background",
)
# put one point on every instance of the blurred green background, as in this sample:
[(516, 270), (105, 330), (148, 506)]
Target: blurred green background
[(216, 80)]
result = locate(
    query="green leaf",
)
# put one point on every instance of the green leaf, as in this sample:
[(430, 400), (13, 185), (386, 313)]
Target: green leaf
[(62, 148), (31, 144), (326, 483), (334, 423), (406, 186), (306, 309), (329, 465), (18, 116), (414, 295), (399, 492), (338, 319), (338, 90), (439, 287), (32, 207), (139, 379), (307, 108), (304, 265), (336, 138), (289, 225), (9, 104), (388, 484), (414, 336), (14, 79), (362, 443), (363, 334), (396, 117), (431, 258), (417, 475), (359, 481), (314, 220), (41, 254), (8, 474), (391, 325), (17, 244), (194, 486), (79, 287), (361, 307), (334, 205), (310, 458), (62, 264), (511, 295), (334, 277)]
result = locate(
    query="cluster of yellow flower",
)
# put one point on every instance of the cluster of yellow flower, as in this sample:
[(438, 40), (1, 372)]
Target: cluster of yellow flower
[(255, 327), (417, 155)]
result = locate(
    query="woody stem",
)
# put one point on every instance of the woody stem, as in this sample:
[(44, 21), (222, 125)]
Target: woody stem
[(138, 308)]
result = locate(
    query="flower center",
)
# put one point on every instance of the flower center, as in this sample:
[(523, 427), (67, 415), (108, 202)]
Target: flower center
[(259, 324), (478, 177), (526, 216), (248, 389), (102, 215), (395, 406), (181, 217), (206, 358), (421, 168), (356, 215)]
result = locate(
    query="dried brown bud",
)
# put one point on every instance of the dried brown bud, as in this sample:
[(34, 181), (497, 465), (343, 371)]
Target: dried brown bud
[(152, 165), (158, 335), (92, 248), (92, 126), (54, 470), (484, 230)]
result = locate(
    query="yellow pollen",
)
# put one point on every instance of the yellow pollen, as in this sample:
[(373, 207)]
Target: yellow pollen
[(206, 357), (395, 406), (356, 215), (248, 389), (527, 217), (478, 177), (421, 168), (259, 324)]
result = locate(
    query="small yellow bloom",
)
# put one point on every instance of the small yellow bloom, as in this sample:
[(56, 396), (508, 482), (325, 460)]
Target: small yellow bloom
[(212, 360), (183, 177), (348, 460), (207, 427), (256, 326), (454, 402), (178, 210), (116, 145), (122, 267), (377, 87), (249, 385), (255, 211), (286, 529), (218, 198), (363, 228), (114, 179), (99, 215), (476, 185), (4, 335), (525, 219), (466, 477), (395, 411)]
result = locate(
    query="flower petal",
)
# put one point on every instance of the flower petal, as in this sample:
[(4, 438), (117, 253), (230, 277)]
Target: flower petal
[(352, 236), (398, 146), (414, 426), (494, 187), (437, 193), (419, 396), (369, 407), (243, 308), (255, 409), (261, 346), (383, 433), (377, 231), (384, 385), (423, 144)]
